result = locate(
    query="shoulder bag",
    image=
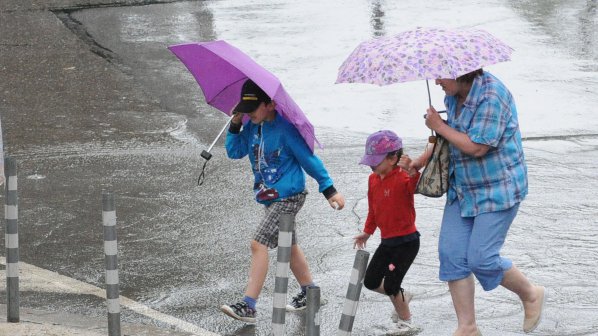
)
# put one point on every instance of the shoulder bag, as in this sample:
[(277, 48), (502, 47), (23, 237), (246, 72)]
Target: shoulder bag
[(433, 181)]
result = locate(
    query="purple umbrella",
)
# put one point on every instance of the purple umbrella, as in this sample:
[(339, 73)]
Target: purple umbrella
[(221, 69)]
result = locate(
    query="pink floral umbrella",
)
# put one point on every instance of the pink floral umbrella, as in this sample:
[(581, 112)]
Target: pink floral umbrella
[(423, 53)]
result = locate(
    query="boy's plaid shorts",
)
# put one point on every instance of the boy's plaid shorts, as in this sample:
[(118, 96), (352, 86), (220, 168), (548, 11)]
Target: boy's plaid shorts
[(267, 231)]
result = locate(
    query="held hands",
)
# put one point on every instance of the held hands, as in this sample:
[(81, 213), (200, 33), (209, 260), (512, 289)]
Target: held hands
[(337, 201), (422, 160), (360, 240), (407, 164)]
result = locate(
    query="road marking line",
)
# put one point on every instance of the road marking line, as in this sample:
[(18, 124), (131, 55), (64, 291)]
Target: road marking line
[(36, 278)]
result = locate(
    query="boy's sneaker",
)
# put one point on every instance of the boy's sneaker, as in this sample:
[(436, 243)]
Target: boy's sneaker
[(298, 302), (404, 328), (240, 311)]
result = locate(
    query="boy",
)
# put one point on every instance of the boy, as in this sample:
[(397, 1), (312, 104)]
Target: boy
[(278, 156), (391, 208)]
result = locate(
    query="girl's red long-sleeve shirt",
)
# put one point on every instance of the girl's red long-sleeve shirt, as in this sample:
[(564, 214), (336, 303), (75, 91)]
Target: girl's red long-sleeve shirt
[(391, 204)]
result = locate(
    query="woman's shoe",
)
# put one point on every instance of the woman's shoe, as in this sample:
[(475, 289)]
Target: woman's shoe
[(530, 323)]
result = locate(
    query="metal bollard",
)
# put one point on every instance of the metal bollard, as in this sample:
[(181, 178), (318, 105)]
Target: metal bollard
[(281, 283), (312, 317), (352, 298), (111, 259), (11, 214)]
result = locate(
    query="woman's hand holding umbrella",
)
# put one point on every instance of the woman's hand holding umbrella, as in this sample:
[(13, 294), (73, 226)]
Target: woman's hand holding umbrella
[(433, 119), (456, 138)]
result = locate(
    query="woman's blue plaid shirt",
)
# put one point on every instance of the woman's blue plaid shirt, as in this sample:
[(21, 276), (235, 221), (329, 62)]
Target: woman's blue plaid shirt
[(497, 180)]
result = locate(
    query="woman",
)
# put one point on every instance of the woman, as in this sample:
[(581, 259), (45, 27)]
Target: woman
[(487, 181)]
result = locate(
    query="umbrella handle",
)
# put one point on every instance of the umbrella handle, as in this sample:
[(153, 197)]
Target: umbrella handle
[(443, 111), (217, 137), (434, 135), (429, 101), (207, 155), (429, 97)]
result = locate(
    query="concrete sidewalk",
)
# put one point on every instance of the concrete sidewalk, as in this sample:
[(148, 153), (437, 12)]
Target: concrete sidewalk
[(61, 318), (57, 323)]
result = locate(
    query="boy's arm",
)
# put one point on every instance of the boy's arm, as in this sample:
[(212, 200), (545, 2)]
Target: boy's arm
[(236, 139), (314, 167)]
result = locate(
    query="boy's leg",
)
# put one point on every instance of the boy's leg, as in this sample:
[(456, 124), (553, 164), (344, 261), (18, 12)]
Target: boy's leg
[(265, 237), (301, 272), (258, 269), (244, 310), (299, 266)]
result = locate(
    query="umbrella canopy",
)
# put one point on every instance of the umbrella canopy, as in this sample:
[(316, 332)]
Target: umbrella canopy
[(423, 53), (221, 69)]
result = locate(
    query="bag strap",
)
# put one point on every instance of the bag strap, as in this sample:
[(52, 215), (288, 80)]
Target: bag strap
[(433, 139)]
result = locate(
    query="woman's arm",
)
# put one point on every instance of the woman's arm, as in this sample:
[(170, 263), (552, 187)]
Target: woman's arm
[(456, 138), (418, 163)]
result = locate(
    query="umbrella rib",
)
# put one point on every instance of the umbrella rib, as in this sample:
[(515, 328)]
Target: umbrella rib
[(449, 61), (225, 88)]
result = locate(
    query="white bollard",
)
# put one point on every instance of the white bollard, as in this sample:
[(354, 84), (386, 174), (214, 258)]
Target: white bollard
[(111, 259)]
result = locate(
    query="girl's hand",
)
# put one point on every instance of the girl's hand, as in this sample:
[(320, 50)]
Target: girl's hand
[(360, 240), (405, 162)]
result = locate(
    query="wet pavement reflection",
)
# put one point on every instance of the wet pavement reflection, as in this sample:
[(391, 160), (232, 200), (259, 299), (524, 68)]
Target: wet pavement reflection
[(572, 24)]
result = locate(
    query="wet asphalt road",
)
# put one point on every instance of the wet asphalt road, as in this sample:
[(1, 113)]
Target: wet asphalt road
[(122, 115)]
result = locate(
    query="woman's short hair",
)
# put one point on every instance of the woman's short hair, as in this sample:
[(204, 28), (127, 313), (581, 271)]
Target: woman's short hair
[(469, 77)]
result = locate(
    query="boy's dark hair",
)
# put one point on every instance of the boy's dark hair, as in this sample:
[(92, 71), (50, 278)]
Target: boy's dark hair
[(469, 77)]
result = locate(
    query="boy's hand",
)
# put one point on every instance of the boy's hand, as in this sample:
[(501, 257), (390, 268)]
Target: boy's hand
[(237, 118), (337, 201), (360, 240)]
